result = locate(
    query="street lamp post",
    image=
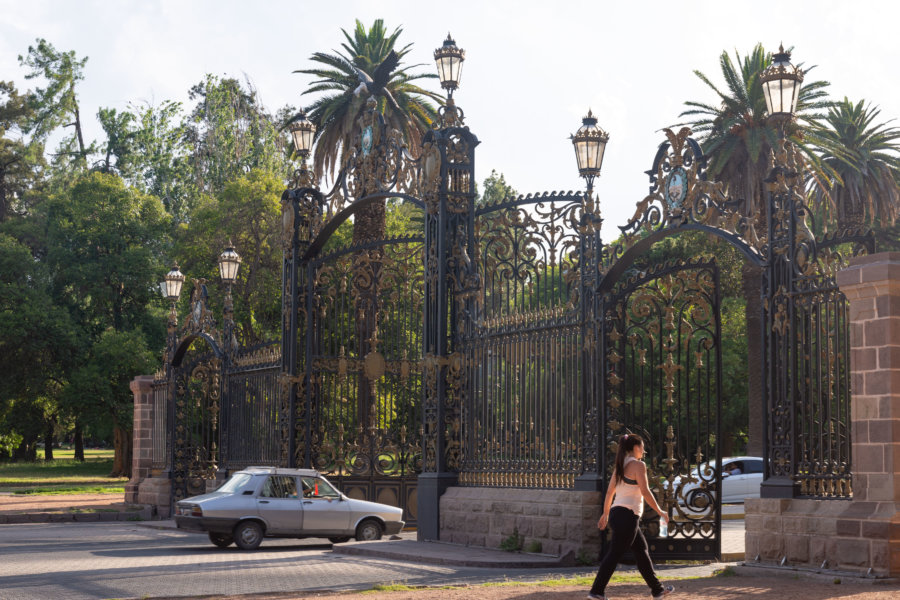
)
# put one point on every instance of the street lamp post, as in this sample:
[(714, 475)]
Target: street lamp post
[(229, 263), (449, 59), (171, 289), (590, 144), (303, 132), (781, 87)]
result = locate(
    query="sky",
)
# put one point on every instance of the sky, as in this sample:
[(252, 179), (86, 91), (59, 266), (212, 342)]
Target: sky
[(532, 69)]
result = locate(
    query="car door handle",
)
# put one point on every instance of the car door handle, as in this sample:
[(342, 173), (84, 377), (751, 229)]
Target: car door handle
[(263, 501), (307, 502)]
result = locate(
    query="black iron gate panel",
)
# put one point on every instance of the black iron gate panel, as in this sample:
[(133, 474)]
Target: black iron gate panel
[(362, 400), (251, 409), (662, 365), (195, 418), (523, 420), (160, 449)]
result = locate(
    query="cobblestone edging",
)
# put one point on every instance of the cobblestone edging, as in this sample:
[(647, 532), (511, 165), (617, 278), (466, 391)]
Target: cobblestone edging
[(143, 514)]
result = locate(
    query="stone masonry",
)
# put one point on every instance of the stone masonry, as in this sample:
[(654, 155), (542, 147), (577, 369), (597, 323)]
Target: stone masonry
[(564, 522), (143, 488), (864, 532)]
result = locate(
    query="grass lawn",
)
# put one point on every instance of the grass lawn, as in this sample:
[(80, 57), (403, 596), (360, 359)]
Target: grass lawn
[(62, 475)]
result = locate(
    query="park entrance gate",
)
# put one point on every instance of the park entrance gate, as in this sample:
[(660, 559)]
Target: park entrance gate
[(504, 344)]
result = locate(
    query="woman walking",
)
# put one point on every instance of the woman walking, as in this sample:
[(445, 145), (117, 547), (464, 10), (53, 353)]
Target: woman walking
[(630, 488)]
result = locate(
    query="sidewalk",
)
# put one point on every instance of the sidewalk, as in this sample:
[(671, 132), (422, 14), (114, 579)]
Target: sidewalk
[(28, 508)]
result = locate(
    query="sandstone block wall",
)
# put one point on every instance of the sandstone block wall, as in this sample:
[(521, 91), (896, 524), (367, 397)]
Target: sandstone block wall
[(862, 533), (564, 522)]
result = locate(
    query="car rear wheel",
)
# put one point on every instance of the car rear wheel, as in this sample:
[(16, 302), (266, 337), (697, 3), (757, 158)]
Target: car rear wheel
[(369, 530), (222, 540), (339, 539), (248, 535)]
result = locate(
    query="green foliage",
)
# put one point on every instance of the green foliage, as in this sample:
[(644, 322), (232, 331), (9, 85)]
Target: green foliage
[(534, 546), (495, 190), (737, 135), (335, 114), (56, 104), (514, 542), (21, 160), (247, 212), (229, 134), (865, 159)]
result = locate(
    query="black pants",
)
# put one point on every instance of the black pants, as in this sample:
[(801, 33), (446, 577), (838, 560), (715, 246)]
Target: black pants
[(625, 534)]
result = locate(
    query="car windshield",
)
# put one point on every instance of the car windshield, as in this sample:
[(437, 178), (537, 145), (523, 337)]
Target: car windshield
[(236, 482)]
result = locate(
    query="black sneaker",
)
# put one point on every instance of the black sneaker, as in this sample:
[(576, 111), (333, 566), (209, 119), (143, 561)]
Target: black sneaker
[(667, 589)]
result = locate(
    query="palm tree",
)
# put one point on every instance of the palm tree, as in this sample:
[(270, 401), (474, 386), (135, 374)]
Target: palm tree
[(865, 158), (369, 66), (737, 135), (738, 138), (335, 114)]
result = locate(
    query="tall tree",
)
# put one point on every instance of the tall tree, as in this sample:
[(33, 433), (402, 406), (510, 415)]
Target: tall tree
[(105, 245), (738, 137), (229, 133), (247, 212), (865, 159), (370, 51), (56, 105), (20, 158)]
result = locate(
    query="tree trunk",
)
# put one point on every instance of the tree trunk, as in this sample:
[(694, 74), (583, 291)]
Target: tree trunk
[(122, 444), (751, 280), (48, 438), (27, 450), (79, 441)]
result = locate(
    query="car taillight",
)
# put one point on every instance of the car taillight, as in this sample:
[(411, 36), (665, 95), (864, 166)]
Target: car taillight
[(196, 511)]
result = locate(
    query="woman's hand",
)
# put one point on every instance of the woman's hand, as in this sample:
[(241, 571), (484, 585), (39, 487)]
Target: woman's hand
[(664, 518), (601, 524)]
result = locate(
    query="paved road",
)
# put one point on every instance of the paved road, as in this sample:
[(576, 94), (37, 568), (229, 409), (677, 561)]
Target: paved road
[(119, 560), (69, 561)]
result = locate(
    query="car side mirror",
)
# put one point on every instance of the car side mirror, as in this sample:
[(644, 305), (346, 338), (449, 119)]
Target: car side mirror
[(726, 474)]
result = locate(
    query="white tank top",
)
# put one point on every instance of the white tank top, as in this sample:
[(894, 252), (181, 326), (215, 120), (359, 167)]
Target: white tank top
[(628, 493)]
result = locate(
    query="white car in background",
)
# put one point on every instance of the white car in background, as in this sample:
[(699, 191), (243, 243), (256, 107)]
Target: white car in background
[(741, 479)]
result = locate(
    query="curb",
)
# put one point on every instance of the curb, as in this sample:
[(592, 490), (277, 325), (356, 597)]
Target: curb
[(142, 514), (757, 570)]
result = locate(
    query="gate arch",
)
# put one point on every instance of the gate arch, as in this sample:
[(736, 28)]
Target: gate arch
[(196, 401), (354, 326)]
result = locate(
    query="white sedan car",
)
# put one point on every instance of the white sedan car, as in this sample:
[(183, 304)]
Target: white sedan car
[(741, 478), (260, 502)]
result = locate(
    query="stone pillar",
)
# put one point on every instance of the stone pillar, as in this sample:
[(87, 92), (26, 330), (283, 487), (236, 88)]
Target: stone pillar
[(872, 285), (862, 535), (142, 459)]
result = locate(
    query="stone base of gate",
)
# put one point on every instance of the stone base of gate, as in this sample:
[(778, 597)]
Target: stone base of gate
[(155, 491), (851, 536), (564, 522)]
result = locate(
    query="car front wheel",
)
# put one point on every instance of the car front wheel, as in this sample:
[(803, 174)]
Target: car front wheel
[(222, 540), (248, 535), (339, 539), (369, 530)]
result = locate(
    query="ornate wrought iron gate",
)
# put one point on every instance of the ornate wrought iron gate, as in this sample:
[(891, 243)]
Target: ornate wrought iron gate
[(661, 366), (524, 345), (362, 400), (195, 414)]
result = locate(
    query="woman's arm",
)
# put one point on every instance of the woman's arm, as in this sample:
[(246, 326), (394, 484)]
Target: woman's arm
[(644, 486), (607, 502)]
